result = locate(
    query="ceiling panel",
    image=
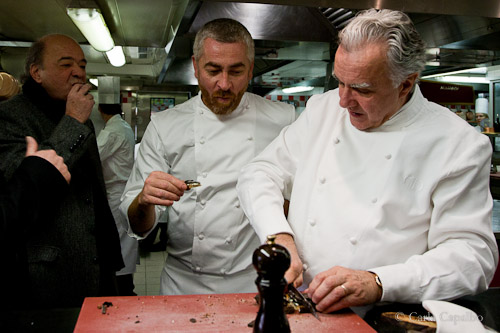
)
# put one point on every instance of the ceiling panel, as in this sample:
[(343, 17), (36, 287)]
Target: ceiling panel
[(28, 20), (143, 23)]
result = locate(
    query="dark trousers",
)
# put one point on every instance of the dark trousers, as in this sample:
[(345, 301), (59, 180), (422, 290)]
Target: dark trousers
[(108, 285), (125, 285)]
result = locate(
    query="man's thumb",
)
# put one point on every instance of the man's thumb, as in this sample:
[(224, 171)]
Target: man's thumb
[(31, 146)]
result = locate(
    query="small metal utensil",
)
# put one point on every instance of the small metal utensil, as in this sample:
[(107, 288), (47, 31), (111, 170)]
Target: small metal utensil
[(298, 295)]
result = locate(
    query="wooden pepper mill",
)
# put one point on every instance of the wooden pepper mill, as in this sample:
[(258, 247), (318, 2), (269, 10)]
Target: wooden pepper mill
[(271, 262)]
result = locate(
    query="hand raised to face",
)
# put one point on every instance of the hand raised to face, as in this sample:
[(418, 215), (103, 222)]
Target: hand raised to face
[(80, 102)]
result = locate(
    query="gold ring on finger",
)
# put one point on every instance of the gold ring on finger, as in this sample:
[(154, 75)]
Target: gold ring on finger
[(346, 292)]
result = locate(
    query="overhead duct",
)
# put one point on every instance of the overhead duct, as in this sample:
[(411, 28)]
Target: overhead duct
[(338, 17), (108, 89)]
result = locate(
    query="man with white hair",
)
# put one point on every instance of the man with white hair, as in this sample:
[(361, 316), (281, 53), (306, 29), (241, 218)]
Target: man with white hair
[(387, 201)]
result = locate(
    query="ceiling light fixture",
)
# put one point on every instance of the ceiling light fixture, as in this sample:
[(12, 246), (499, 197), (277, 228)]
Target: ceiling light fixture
[(116, 56), (475, 70), (298, 89), (94, 81), (463, 79), (88, 18), (92, 25)]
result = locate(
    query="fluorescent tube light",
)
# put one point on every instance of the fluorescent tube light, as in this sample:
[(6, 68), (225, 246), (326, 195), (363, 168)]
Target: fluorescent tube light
[(116, 56), (475, 70), (463, 79), (297, 89), (92, 25)]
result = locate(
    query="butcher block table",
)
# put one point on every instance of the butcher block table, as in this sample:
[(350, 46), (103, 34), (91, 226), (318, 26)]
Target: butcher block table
[(197, 313)]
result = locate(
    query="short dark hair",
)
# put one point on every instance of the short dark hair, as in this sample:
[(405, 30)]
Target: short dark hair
[(224, 30), (110, 109), (36, 52), (34, 56)]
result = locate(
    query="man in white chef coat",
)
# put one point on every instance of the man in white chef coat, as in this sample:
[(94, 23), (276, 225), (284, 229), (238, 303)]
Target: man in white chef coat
[(388, 202), (208, 139), (116, 145)]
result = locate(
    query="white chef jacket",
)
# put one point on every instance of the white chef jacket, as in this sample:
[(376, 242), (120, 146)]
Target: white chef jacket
[(116, 148), (210, 242), (408, 200)]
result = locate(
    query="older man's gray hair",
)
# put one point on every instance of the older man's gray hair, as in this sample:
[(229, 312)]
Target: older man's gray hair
[(406, 49)]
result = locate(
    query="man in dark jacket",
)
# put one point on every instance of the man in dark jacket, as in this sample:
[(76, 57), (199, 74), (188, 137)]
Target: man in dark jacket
[(74, 252)]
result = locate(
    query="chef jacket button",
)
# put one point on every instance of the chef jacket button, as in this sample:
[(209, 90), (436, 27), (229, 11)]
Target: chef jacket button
[(203, 202), (388, 156), (95, 260), (228, 240), (353, 240), (305, 267), (374, 200), (201, 111), (336, 141), (201, 236), (237, 205), (204, 175), (322, 180), (312, 222), (223, 271), (198, 268), (202, 140), (250, 138)]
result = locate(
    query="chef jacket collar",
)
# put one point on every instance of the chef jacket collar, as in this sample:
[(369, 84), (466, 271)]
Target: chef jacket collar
[(404, 115)]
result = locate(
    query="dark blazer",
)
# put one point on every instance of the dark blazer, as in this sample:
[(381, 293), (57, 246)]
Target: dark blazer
[(26, 197), (69, 253)]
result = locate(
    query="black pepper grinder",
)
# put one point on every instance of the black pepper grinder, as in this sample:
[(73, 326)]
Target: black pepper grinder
[(271, 261)]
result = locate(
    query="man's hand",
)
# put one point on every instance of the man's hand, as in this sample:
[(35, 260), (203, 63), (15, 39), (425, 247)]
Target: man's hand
[(79, 102), (160, 188), (340, 287), (294, 273), (48, 155)]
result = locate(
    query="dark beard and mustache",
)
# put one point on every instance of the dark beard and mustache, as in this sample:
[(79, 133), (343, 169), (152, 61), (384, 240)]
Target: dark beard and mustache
[(218, 108)]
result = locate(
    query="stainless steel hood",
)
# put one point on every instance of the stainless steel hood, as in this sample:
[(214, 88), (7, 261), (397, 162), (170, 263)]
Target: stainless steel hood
[(295, 40)]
